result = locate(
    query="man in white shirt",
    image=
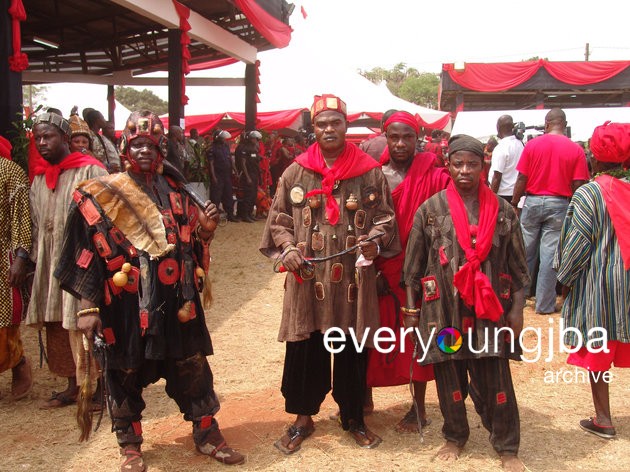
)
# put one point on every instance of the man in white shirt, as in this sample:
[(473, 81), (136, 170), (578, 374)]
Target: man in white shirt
[(505, 156)]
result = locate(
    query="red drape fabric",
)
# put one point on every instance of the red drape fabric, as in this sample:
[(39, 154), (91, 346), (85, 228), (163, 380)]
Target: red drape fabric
[(19, 60), (616, 194), (272, 29), (183, 12), (504, 76), (213, 64)]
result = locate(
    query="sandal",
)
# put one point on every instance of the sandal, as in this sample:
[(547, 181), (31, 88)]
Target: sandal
[(132, 459), (590, 426), (222, 453), (360, 435), (294, 433), (57, 400), (409, 422)]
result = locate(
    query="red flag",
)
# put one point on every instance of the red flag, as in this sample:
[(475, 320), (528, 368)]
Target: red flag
[(303, 12)]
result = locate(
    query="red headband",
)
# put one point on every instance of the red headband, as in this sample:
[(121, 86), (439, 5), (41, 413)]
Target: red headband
[(611, 142), (405, 118)]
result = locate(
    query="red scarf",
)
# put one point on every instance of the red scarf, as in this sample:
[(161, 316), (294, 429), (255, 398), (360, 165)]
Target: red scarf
[(474, 286), (616, 194), (352, 162), (71, 161)]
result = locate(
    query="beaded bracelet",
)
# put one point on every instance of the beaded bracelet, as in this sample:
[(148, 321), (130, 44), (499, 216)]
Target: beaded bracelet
[(88, 311), (410, 311)]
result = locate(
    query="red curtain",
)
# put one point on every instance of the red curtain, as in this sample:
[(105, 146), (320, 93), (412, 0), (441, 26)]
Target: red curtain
[(213, 64), (504, 76), (583, 73), (438, 124), (272, 29), (269, 120), (203, 123)]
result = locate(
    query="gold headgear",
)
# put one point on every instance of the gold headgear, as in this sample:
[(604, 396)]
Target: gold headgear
[(328, 102)]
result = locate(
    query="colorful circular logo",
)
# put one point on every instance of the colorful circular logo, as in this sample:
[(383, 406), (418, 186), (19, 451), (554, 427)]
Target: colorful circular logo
[(449, 340)]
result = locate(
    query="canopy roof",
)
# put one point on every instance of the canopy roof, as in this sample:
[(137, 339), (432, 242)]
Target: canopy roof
[(102, 37), (534, 84)]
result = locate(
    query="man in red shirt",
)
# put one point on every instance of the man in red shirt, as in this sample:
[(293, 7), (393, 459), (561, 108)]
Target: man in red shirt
[(550, 169)]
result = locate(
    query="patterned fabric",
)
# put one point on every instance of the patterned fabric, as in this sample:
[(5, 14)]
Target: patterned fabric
[(15, 229), (492, 392), (589, 261), (434, 255), (337, 294), (167, 282), (49, 210)]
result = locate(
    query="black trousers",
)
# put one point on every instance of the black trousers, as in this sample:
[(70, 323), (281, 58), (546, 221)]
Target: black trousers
[(250, 192), (306, 379), (492, 392), (189, 382), (221, 192)]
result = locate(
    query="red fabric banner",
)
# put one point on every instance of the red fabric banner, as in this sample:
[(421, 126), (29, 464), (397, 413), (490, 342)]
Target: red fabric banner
[(504, 76), (19, 60), (272, 29), (183, 12), (213, 64)]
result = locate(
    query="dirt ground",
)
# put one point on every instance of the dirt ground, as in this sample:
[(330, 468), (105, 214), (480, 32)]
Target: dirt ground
[(247, 368)]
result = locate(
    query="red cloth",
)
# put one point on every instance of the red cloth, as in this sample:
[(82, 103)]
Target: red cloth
[(611, 142), (5, 148), (183, 12), (504, 76), (616, 194), (272, 29), (403, 117), (601, 361), (352, 162), (19, 60), (422, 181), (71, 161), (551, 163), (474, 286)]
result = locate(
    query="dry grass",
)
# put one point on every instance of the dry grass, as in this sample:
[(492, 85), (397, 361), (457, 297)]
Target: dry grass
[(248, 368)]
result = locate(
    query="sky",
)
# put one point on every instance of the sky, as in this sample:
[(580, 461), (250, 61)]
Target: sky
[(343, 36)]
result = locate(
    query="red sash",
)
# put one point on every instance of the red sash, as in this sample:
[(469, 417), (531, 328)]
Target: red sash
[(71, 161), (351, 163)]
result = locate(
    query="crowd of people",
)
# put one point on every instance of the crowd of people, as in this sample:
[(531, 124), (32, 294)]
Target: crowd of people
[(426, 237)]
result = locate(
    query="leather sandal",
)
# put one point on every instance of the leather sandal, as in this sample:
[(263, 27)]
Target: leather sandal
[(132, 459), (58, 400), (360, 435), (294, 433), (222, 453)]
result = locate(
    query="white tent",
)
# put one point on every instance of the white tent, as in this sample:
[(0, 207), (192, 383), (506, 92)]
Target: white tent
[(65, 95), (482, 124)]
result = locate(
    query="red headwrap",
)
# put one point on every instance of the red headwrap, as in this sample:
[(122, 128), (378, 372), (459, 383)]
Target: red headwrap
[(328, 102), (5, 148), (405, 118), (611, 142)]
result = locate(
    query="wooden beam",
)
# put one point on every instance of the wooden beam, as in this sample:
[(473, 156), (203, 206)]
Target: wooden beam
[(125, 78), (202, 29)]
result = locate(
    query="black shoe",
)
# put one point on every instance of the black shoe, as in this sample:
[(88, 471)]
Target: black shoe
[(233, 219), (249, 219)]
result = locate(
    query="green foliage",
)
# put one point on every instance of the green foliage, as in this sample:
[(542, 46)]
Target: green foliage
[(407, 83), (137, 100), (20, 139)]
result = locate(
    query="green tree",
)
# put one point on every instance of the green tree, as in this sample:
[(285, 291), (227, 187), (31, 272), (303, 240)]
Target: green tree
[(407, 83), (143, 99)]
